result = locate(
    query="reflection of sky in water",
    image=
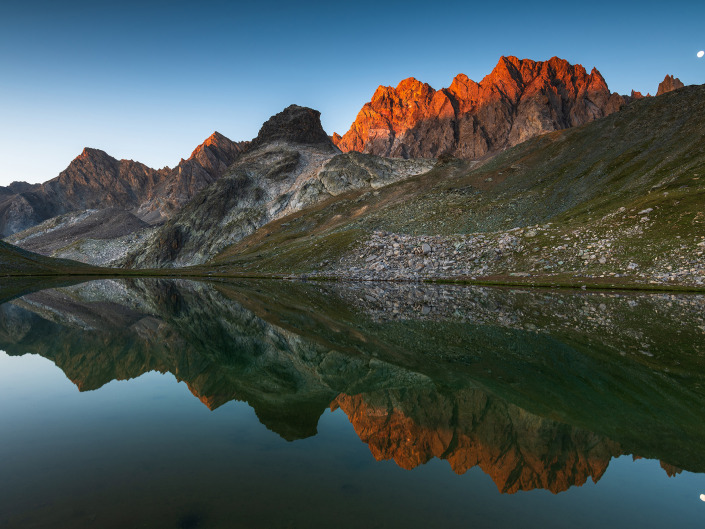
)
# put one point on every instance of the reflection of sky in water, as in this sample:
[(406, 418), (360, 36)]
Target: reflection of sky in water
[(146, 451)]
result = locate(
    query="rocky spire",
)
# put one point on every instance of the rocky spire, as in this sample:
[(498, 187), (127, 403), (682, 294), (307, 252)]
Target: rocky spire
[(669, 84)]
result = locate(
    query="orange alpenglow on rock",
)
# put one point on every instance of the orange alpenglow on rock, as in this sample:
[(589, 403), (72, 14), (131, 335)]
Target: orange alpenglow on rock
[(669, 84), (517, 456), (519, 451), (518, 100)]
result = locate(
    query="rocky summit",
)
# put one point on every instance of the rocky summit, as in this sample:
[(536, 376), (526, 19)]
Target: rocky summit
[(669, 84), (518, 100), (294, 124)]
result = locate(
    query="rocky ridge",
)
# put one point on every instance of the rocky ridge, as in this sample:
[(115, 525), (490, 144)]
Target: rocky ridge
[(519, 99), (96, 180), (291, 165), (208, 162)]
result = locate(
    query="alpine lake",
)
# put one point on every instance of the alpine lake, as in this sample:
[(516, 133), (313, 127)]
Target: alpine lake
[(279, 404)]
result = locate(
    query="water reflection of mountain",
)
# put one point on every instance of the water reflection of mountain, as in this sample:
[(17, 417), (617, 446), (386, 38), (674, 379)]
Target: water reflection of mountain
[(539, 389)]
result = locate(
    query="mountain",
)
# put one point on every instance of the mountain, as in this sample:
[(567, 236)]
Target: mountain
[(615, 201), (291, 164), (520, 99), (96, 180), (92, 180), (668, 85)]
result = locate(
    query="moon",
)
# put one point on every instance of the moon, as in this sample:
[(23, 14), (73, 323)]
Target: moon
[(701, 53), (702, 497)]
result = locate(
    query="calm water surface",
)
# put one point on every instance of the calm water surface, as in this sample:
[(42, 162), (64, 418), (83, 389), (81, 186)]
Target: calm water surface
[(176, 404)]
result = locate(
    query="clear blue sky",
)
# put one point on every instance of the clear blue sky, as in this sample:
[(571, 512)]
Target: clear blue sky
[(151, 80)]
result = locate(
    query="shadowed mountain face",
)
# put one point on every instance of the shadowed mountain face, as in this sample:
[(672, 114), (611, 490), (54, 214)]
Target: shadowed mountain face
[(96, 180), (540, 390), (518, 100)]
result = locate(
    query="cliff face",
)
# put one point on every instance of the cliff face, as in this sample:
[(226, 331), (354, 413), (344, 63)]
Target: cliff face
[(96, 180), (518, 100)]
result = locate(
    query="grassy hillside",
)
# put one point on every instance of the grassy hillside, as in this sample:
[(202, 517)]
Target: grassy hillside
[(619, 198), (15, 261)]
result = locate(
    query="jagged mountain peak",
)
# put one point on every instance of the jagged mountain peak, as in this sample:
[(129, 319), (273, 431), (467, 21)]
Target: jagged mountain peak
[(518, 99), (669, 84), (295, 124), (412, 84), (90, 153), (215, 141)]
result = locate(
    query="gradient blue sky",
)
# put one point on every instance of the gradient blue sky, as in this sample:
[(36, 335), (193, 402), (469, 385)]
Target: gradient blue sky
[(151, 80)]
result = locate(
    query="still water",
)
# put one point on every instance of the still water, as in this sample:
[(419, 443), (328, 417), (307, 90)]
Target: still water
[(176, 404)]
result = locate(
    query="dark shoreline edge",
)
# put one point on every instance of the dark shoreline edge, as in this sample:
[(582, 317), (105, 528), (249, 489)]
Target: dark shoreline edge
[(537, 282)]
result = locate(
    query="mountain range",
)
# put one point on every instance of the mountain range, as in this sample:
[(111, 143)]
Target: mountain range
[(519, 99), (533, 144), (95, 180)]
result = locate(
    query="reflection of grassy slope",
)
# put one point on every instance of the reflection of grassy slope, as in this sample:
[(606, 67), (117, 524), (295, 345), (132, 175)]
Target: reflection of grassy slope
[(652, 405), (651, 154), (12, 287)]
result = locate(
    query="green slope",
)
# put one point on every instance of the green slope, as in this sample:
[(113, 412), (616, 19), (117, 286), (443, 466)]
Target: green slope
[(15, 261)]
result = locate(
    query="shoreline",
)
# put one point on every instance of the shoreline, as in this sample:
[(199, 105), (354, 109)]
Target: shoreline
[(537, 282)]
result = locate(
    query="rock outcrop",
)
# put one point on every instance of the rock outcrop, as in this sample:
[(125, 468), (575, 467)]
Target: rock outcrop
[(294, 124), (518, 100), (669, 84)]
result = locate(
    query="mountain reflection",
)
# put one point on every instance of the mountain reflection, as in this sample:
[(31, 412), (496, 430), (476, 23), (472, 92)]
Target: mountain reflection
[(538, 389)]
